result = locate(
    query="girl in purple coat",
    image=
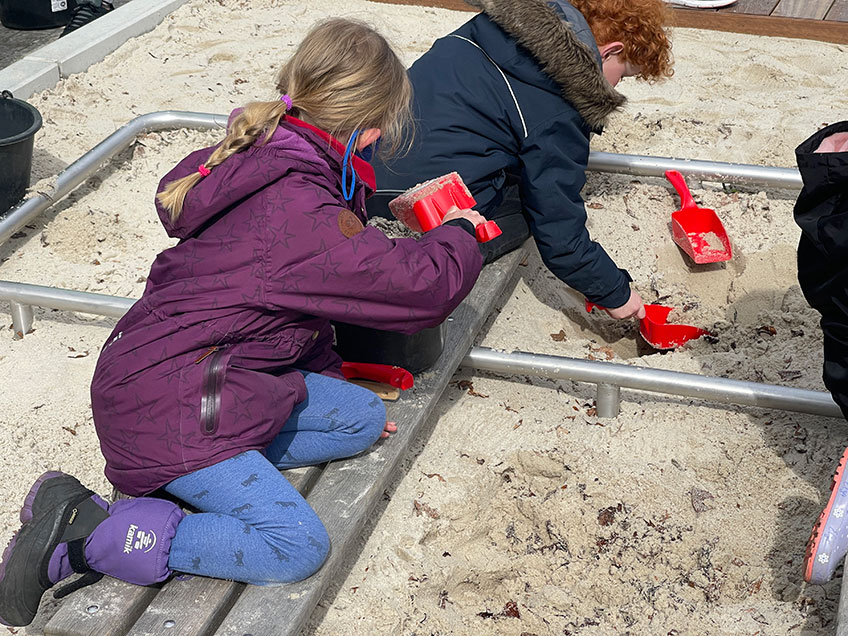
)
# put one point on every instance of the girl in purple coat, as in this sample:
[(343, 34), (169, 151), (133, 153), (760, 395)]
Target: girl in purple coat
[(223, 372)]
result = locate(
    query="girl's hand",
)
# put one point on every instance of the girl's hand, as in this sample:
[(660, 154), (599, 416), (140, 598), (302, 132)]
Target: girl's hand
[(633, 308), (470, 215), (391, 427)]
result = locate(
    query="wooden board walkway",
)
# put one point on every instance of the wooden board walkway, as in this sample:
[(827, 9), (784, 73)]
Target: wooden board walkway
[(343, 493), (825, 20)]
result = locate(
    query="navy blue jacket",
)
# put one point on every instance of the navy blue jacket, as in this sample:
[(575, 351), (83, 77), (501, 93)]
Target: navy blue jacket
[(486, 109)]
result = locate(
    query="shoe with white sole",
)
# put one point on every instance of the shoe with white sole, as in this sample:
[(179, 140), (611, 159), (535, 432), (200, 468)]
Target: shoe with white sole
[(828, 542), (702, 4)]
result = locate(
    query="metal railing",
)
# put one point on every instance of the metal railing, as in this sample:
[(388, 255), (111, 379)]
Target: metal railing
[(90, 162), (640, 165), (609, 377)]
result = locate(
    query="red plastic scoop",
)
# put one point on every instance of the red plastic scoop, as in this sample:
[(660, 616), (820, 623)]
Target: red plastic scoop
[(698, 231), (656, 331), (392, 375), (422, 208)]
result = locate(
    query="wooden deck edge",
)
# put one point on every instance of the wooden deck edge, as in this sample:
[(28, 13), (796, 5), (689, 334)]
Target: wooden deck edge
[(775, 26)]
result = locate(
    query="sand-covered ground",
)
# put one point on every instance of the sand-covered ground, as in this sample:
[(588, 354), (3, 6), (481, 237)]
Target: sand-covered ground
[(519, 511)]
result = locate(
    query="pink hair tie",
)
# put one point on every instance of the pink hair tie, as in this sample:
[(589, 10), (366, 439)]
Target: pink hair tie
[(287, 100), (203, 170)]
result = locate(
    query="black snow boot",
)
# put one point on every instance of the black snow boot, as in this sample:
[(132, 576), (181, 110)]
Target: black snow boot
[(67, 513), (70, 529)]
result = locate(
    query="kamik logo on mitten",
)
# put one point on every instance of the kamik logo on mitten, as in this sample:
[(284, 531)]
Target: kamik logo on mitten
[(139, 540)]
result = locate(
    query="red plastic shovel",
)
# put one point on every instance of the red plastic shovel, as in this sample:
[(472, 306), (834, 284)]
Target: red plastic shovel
[(657, 332), (385, 373), (698, 231), (421, 208)]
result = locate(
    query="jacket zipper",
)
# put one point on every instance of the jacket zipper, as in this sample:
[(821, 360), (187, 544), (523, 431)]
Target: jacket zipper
[(210, 399)]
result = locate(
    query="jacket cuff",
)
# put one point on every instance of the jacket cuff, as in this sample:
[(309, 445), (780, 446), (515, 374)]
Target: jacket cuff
[(617, 297), (465, 224)]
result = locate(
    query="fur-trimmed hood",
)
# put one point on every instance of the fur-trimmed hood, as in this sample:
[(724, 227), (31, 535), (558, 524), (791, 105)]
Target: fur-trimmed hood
[(547, 31)]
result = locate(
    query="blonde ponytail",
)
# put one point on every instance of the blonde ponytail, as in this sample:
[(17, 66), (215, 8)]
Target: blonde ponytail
[(243, 132)]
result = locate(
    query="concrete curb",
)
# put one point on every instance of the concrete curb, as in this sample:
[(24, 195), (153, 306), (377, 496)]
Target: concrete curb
[(74, 53)]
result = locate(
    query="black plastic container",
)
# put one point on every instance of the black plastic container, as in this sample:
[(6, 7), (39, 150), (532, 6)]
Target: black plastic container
[(19, 122), (415, 353), (36, 14)]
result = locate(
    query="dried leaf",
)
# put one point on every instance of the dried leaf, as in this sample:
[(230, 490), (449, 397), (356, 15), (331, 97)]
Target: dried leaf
[(606, 516), (468, 386), (698, 497), (608, 353), (558, 337), (422, 508), (510, 610)]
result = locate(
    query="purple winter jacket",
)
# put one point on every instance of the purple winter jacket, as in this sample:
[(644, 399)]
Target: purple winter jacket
[(203, 366)]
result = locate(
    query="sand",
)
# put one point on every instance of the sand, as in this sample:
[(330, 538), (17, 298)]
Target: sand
[(519, 511)]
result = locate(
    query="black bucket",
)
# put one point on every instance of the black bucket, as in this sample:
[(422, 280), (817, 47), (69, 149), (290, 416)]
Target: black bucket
[(415, 353), (36, 14), (19, 122)]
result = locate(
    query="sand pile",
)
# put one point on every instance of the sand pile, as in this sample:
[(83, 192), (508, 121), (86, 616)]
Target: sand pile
[(520, 511)]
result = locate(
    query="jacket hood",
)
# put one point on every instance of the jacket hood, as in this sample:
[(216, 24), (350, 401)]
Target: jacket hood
[(246, 173), (557, 36)]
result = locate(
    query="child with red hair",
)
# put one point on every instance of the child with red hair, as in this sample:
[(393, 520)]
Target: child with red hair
[(509, 101)]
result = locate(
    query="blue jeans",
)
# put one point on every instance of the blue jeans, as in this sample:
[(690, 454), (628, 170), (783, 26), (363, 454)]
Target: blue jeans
[(254, 526)]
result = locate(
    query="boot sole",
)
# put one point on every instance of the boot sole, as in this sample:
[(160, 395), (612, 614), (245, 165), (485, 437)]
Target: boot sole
[(817, 533), (6, 554)]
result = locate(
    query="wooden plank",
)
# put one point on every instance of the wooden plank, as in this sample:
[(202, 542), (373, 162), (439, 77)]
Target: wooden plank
[(108, 608), (454, 5), (196, 605), (190, 606), (762, 25), (348, 491), (808, 9), (752, 7), (838, 12), (734, 19)]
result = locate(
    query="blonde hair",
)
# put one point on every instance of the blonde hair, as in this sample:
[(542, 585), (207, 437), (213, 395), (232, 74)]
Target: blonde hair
[(344, 76)]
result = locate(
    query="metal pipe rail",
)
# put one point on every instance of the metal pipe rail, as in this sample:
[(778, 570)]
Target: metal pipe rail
[(611, 376), (24, 296), (741, 173), (608, 376), (640, 165), (82, 168)]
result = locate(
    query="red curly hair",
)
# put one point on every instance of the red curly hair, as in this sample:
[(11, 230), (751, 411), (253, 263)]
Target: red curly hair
[(639, 25)]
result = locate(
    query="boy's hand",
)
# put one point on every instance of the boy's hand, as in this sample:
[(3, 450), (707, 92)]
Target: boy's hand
[(470, 215), (633, 308)]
